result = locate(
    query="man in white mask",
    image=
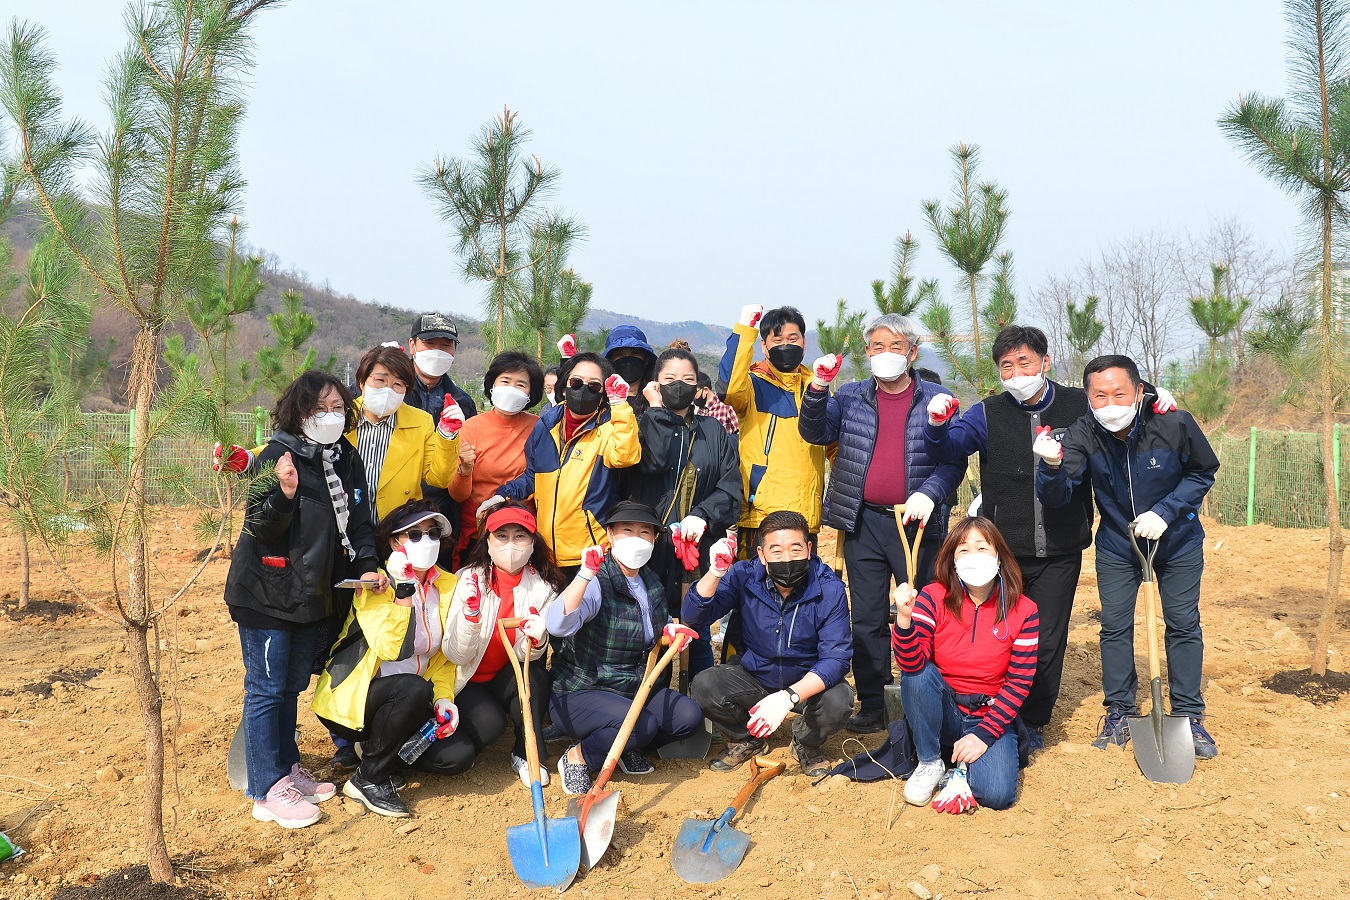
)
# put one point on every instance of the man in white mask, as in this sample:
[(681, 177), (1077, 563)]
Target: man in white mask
[(433, 345), (1048, 543), (881, 461), (1150, 473)]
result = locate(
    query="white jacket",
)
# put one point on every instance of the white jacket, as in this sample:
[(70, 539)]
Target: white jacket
[(465, 642)]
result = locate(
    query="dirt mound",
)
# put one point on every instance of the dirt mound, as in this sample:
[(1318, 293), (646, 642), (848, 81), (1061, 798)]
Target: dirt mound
[(1302, 683), (133, 884)]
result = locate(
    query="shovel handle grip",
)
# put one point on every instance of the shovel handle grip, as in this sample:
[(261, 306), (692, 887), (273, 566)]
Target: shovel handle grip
[(911, 553), (762, 769)]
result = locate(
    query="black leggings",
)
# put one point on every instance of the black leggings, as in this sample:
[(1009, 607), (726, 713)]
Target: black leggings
[(396, 706), (484, 708)]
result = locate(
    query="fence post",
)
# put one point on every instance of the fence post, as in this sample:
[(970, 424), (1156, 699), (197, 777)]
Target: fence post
[(259, 418), (1251, 478)]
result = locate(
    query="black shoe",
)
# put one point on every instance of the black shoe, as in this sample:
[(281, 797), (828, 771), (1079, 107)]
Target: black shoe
[(867, 721), (344, 760), (399, 780), (379, 798)]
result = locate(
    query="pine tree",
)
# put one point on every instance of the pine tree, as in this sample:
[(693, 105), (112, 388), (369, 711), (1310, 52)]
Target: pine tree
[(287, 358), (901, 297), (1085, 329), (844, 337), (1216, 314), (552, 296)]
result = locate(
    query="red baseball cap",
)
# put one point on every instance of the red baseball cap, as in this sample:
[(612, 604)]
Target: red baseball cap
[(512, 515)]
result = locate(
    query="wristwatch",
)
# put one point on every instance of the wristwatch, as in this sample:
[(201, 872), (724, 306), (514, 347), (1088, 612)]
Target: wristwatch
[(794, 696)]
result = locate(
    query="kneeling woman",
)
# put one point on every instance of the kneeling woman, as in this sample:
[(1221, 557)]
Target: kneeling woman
[(966, 645), (387, 675), (509, 575)]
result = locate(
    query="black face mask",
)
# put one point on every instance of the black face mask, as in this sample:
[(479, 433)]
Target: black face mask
[(678, 395), (786, 357), (581, 402), (630, 368), (790, 572)]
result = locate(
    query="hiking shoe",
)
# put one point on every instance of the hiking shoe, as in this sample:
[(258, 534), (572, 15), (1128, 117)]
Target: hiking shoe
[(923, 781), (553, 734), (344, 760), (1205, 748), (813, 762), (285, 805), (522, 768), (867, 721), (1036, 738), (1115, 730), (311, 788), (378, 797), (634, 763), (737, 752), (576, 778)]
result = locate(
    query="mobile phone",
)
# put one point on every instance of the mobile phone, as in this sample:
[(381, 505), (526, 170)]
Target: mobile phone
[(356, 583), (276, 562)]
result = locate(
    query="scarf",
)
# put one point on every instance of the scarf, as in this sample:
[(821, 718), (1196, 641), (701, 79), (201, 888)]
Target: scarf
[(330, 455)]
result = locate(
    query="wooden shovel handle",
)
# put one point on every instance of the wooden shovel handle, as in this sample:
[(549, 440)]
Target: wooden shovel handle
[(655, 665), (523, 690), (911, 553), (762, 769)]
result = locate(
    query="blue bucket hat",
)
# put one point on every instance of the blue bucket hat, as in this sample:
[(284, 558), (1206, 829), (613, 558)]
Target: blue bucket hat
[(628, 336)]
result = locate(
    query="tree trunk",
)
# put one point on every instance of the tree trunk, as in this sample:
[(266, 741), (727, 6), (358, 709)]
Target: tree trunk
[(26, 564), (975, 330), (152, 807), (1337, 539)]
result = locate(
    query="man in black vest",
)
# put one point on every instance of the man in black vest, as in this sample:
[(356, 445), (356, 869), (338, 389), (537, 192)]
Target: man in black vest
[(1048, 543)]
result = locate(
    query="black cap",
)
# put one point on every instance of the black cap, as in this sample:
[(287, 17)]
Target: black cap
[(435, 325), (633, 511)]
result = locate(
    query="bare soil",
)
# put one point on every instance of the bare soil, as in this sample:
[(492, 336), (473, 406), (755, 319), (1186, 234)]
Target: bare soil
[(1270, 815)]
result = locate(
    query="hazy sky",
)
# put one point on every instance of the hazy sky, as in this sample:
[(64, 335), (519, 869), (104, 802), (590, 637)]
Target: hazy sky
[(728, 153)]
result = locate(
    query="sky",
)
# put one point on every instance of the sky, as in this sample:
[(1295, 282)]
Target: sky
[(727, 153)]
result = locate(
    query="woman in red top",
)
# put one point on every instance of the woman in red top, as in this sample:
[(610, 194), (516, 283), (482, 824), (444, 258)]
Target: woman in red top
[(509, 575), (966, 645)]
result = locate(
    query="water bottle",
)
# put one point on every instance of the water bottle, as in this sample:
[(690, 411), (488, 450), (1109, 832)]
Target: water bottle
[(416, 745)]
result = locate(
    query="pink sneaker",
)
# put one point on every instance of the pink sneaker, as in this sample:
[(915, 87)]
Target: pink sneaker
[(311, 788), (286, 806)]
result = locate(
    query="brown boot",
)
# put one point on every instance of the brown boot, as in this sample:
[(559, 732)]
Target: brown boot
[(736, 753), (813, 762)]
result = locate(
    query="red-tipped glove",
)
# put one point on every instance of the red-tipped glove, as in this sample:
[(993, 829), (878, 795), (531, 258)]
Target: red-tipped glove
[(447, 718), (941, 408), (679, 635), (686, 550), (722, 556), (1165, 402), (237, 461), (616, 389), (532, 626), (568, 346), (452, 419), (825, 369), (1046, 447), (591, 560), (956, 797), (399, 568), (473, 603), (750, 315), (768, 714)]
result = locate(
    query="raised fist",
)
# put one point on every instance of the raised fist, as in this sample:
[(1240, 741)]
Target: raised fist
[(452, 419), (751, 314), (237, 460), (473, 603), (591, 559), (722, 556), (287, 477), (568, 346), (826, 368), (1046, 447), (941, 408), (616, 389)]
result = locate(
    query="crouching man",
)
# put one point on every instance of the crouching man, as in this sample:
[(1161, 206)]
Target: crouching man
[(796, 639)]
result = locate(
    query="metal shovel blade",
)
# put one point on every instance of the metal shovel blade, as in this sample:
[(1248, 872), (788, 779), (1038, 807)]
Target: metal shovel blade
[(545, 852), (597, 826), (693, 747), (236, 763), (708, 851), (1163, 746)]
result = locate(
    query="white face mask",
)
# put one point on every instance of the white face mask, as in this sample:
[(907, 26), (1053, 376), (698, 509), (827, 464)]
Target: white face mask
[(977, 569), (433, 363), (510, 557), (888, 366), (1024, 387), (632, 551), (508, 399), (422, 553), (1114, 418), (325, 428), (380, 401)]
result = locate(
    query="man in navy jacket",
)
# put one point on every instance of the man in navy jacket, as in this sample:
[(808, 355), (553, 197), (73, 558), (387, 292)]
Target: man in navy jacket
[(881, 461), (796, 644), (1149, 473)]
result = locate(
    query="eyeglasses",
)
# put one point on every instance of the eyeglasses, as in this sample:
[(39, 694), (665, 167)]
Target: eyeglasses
[(595, 387), (416, 534)]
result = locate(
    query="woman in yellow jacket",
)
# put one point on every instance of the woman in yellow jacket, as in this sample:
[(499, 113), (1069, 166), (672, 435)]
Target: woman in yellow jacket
[(387, 676), (571, 458)]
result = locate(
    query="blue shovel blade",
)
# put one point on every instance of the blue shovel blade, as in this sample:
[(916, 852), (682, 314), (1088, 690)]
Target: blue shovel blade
[(698, 860), (546, 852)]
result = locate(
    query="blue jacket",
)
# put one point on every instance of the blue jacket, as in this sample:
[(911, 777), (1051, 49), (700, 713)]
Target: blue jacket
[(849, 416), (1166, 466), (783, 639)]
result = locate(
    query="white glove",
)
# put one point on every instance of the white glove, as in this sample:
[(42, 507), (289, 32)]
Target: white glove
[(941, 408), (722, 556), (532, 625), (750, 315), (975, 504), (447, 718), (1149, 526), (825, 369), (1165, 402), (399, 568), (692, 528), (487, 505), (1047, 448), (919, 506), (769, 713)]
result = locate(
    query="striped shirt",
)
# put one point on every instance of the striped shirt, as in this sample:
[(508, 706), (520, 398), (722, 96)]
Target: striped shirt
[(372, 443), (974, 653)]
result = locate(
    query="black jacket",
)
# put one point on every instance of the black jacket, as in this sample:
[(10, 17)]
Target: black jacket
[(669, 442), (302, 531)]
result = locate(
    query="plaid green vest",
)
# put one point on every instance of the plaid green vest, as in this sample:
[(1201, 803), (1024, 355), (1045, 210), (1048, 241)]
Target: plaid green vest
[(609, 653)]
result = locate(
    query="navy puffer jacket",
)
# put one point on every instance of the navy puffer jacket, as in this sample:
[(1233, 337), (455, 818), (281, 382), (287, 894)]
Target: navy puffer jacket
[(849, 416)]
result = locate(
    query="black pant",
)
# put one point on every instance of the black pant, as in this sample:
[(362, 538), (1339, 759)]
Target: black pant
[(593, 718), (726, 694), (484, 708), (873, 555), (1051, 583), (396, 706)]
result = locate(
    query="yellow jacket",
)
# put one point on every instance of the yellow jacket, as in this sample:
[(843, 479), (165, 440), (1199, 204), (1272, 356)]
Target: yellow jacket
[(377, 631), (417, 453), (779, 469)]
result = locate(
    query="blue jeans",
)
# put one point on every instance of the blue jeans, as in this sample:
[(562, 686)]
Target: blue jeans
[(934, 719), (277, 664)]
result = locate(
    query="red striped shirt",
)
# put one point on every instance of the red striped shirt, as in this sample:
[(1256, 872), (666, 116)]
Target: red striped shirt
[(975, 654)]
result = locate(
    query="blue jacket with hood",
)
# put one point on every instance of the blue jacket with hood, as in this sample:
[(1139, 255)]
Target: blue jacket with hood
[(783, 638)]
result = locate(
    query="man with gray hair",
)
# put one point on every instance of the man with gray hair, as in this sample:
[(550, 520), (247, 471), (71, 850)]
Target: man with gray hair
[(881, 461)]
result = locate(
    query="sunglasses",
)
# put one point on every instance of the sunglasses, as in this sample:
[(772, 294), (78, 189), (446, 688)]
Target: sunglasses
[(595, 387), (416, 534)]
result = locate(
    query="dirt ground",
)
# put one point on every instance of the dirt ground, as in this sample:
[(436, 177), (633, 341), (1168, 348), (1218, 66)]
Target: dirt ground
[(1270, 815)]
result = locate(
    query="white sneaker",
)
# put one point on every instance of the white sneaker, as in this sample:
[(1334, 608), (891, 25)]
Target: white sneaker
[(923, 781), (285, 805), (522, 768)]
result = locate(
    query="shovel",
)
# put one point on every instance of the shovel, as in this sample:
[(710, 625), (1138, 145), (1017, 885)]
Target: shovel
[(1163, 746), (890, 693), (597, 810), (236, 763), (545, 852), (710, 851)]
